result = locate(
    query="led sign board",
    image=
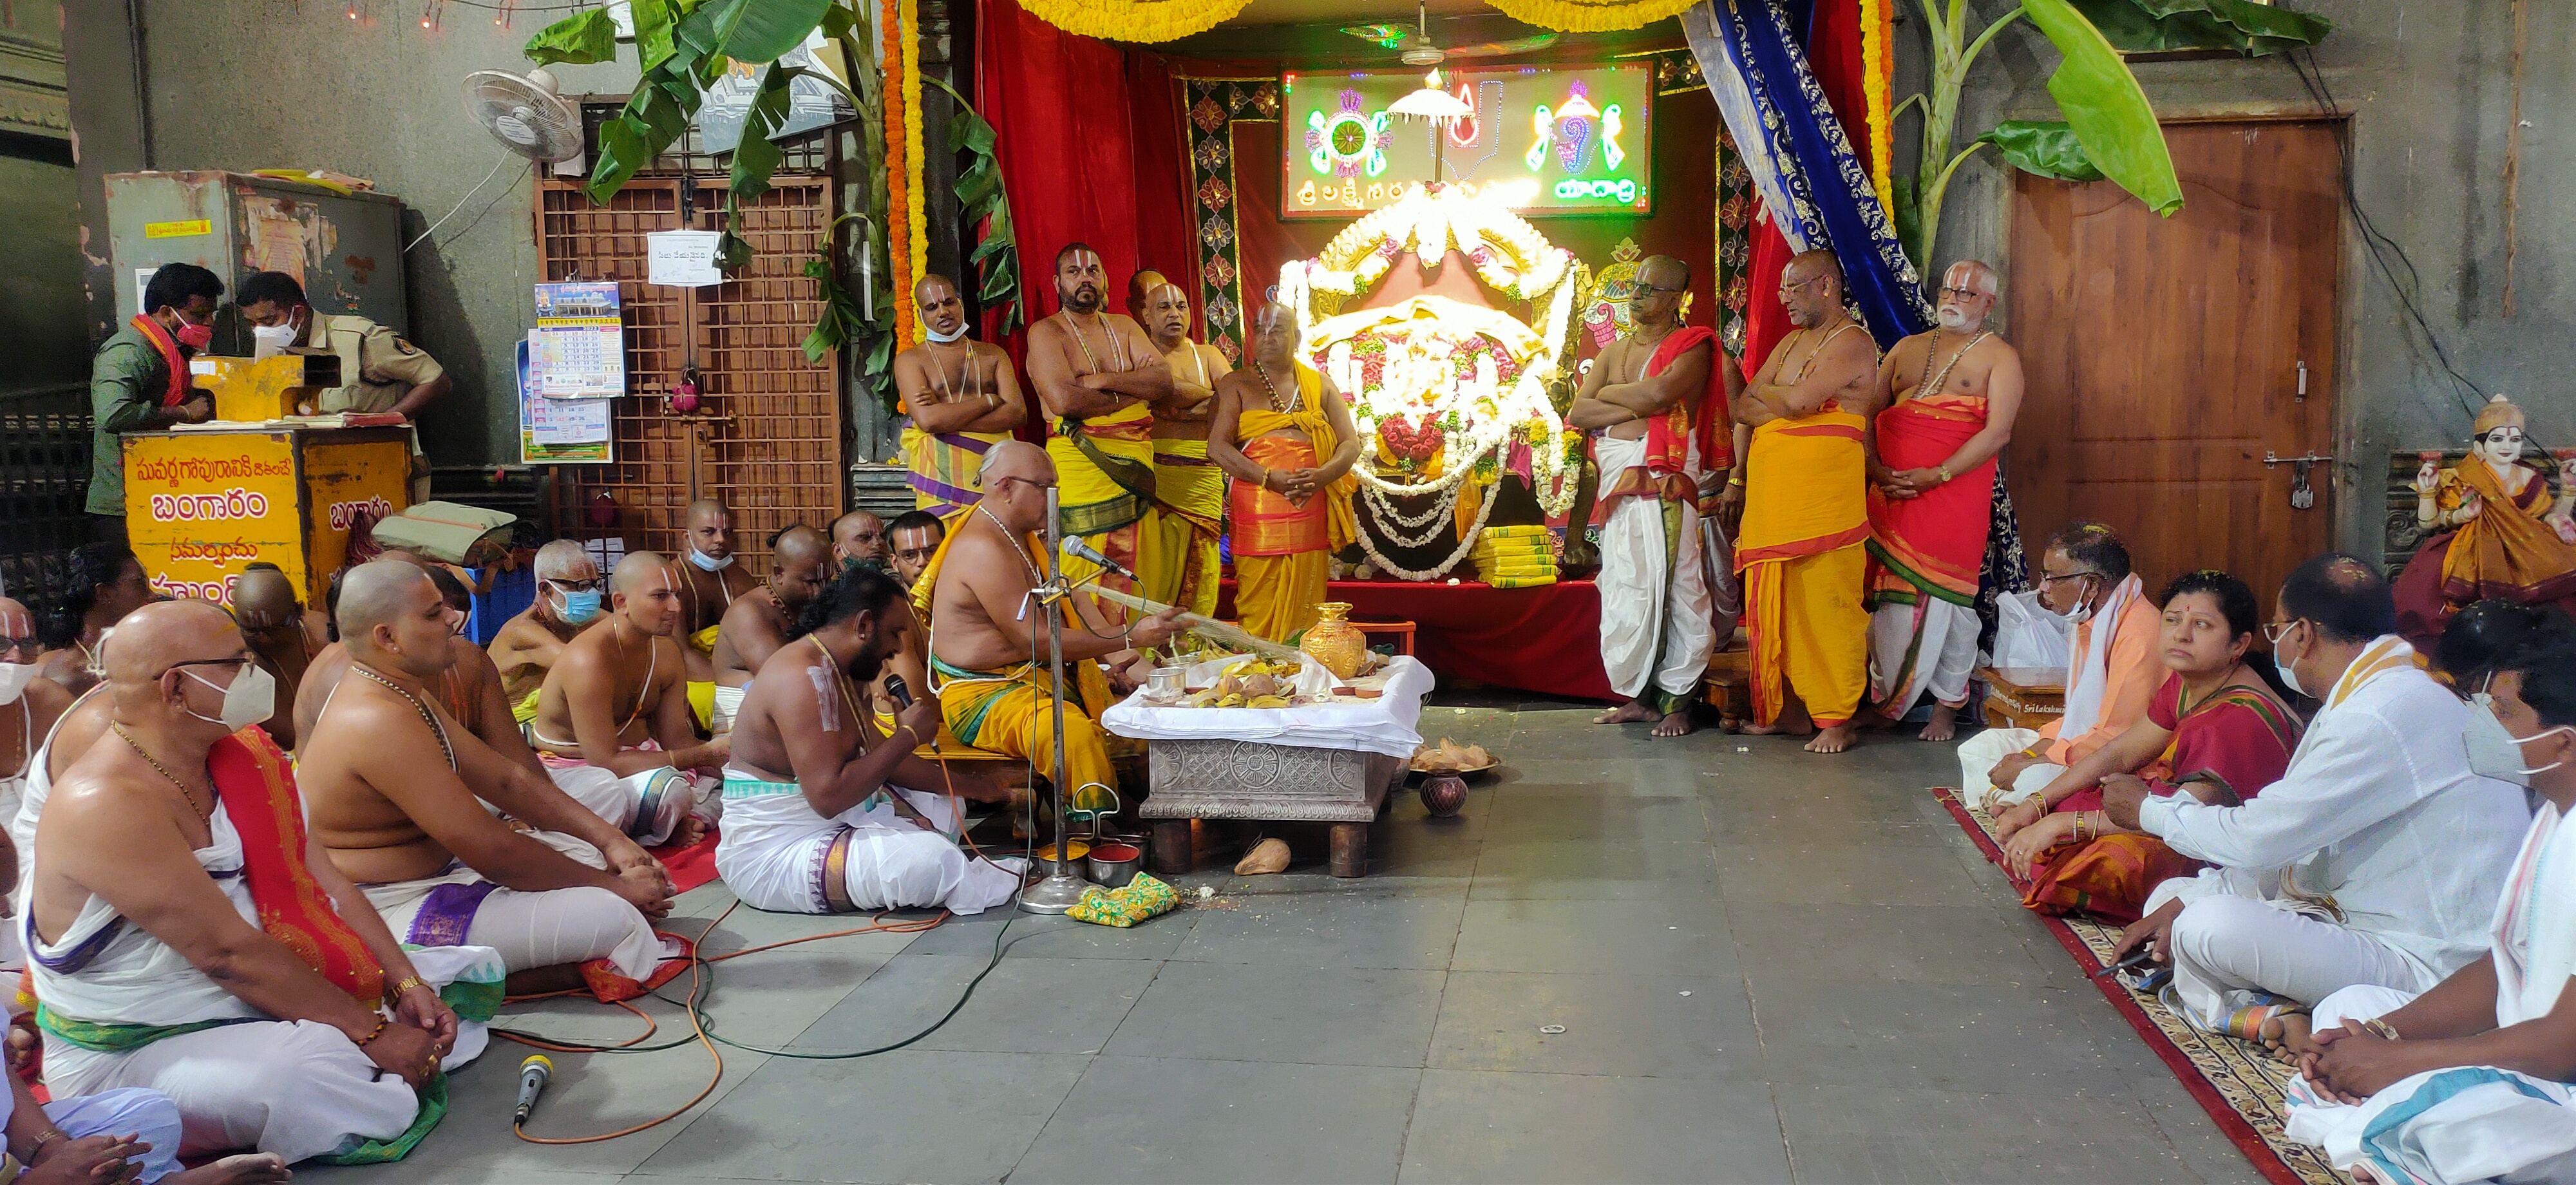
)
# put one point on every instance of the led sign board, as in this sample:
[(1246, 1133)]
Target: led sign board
[(1550, 142)]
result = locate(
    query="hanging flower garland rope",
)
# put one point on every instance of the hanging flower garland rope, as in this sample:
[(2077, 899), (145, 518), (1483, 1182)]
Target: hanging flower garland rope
[(901, 98), (1135, 20), (916, 206), (1591, 16)]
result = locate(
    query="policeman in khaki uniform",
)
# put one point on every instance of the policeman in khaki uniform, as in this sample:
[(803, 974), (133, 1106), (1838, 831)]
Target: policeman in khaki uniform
[(385, 372)]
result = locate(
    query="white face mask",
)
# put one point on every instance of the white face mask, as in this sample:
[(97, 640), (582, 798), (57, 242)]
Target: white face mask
[(708, 563), (252, 698), (14, 677), (953, 334), (2494, 752), (268, 341)]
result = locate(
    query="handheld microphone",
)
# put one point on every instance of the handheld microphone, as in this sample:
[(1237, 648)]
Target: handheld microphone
[(533, 1074), (900, 690), (1074, 547)]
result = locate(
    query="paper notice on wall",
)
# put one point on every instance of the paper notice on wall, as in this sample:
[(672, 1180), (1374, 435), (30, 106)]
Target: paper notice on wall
[(142, 282), (280, 231), (682, 258)]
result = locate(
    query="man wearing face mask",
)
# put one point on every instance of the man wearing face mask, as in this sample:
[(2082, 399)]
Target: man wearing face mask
[(380, 370), (1099, 375), (2471, 1080), (2377, 857), (813, 784), (569, 593), (759, 623), (284, 634), (962, 397), (138, 381), (2112, 671), (710, 579), (858, 537)]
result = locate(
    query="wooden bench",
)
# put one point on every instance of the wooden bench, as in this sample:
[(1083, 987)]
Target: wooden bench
[(2023, 697)]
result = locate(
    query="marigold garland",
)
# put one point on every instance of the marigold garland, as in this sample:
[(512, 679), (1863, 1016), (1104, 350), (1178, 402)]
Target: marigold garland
[(1878, 70), (899, 197), (1591, 16), (916, 209), (1134, 20)]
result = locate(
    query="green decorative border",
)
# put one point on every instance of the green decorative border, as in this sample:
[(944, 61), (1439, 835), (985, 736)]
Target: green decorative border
[(1210, 109)]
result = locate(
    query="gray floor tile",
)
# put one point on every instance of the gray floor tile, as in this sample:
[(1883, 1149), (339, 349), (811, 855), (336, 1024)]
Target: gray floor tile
[(1358, 928), (589, 1094), (1846, 874), (1209, 1122), (1529, 811), (910, 1115), (1901, 1136), (1492, 1127), (1918, 944), (1354, 1016), (2204, 1149), (1648, 1026), (1646, 937), (1027, 1005), (1057, 936), (1596, 870), (1832, 817), (1977, 1038), (417, 1168)]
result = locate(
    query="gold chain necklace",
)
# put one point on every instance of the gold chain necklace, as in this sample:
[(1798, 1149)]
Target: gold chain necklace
[(1931, 384), (185, 791), (1075, 328), (1035, 576), (1261, 370), (426, 717)]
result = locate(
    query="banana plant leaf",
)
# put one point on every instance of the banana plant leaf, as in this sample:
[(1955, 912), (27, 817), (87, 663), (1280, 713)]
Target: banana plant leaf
[(582, 38), (761, 30), (2236, 26), (2047, 148), (654, 22), (2109, 115), (755, 157)]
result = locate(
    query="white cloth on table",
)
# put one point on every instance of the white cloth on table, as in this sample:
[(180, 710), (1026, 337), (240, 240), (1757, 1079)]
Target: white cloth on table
[(1657, 616), (774, 850), (125, 1111), (1382, 725), (539, 929), (1978, 756), (728, 704), (1942, 640), (2378, 820)]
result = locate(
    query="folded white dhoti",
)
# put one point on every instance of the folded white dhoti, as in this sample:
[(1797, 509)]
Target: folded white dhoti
[(646, 806), (728, 704), (1658, 621), (2461, 1124), (1930, 646), (777, 854), (546, 929), (126, 1111), (1978, 756)]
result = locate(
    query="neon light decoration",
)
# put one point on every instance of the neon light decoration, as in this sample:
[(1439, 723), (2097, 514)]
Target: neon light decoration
[(1348, 141), (1532, 128)]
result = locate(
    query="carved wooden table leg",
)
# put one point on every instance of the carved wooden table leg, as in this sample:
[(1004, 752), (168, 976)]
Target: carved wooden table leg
[(1171, 843), (1350, 849)]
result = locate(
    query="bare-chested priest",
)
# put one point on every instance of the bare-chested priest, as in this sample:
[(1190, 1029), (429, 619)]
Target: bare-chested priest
[(396, 787), (963, 397), (283, 633), (988, 656), (709, 581), (1099, 376), (857, 538), (820, 814), (187, 935), (800, 561), (1189, 488), (570, 594), (616, 703)]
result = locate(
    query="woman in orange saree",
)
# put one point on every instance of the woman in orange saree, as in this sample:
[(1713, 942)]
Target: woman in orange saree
[(2215, 731)]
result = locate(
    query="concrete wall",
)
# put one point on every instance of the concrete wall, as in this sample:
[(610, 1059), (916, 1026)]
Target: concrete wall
[(40, 306), (247, 84), (2428, 88)]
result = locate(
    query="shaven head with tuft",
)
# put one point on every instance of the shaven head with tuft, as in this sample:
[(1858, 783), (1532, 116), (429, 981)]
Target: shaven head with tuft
[(393, 618), (646, 592), (18, 642), (800, 560), (168, 665), (1017, 476), (711, 529)]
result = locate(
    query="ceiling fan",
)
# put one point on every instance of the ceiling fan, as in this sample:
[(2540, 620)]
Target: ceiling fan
[(1415, 48)]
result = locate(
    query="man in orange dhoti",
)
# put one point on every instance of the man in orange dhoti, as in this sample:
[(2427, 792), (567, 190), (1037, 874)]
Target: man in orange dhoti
[(1799, 426), (1284, 432), (1950, 408)]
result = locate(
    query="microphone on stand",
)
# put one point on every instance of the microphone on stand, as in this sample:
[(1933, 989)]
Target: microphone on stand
[(533, 1074), (1074, 547)]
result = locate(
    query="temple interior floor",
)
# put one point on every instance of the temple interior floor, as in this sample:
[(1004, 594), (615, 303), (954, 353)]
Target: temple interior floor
[(1769, 967)]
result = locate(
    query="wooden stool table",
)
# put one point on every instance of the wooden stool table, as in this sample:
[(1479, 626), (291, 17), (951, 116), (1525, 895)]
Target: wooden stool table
[(1228, 779), (2023, 697), (1402, 631)]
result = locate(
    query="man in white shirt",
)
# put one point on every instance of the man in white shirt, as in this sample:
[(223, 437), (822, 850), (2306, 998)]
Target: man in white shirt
[(2377, 857)]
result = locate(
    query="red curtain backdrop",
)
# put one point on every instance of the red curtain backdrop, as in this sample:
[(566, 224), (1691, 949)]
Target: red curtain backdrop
[(1165, 241), (1834, 53)]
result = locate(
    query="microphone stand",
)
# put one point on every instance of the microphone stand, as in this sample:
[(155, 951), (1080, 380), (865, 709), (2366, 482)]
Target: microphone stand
[(1062, 889)]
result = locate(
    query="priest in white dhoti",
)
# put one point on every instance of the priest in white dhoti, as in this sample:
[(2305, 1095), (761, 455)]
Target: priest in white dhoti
[(2377, 857), (1648, 397), (186, 935), (396, 789), (2471, 1080), (819, 816), (2111, 673)]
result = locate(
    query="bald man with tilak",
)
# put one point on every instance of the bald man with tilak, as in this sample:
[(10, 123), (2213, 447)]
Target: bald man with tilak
[(395, 788), (284, 634), (710, 579), (1100, 377), (800, 563), (616, 704), (1658, 617), (1189, 488), (963, 397)]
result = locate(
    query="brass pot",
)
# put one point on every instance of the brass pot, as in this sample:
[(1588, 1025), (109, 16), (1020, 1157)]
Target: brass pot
[(1334, 641)]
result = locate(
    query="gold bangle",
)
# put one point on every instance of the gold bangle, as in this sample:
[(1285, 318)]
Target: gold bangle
[(409, 982), (2382, 1028), (1735, 480)]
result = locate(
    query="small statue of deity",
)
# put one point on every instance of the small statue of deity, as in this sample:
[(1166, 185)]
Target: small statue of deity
[(2493, 528)]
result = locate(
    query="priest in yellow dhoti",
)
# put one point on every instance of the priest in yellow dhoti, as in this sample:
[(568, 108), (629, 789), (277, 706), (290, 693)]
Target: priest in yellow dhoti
[(1800, 427), (962, 397), (988, 655), (1189, 489), (1284, 431), (1098, 374)]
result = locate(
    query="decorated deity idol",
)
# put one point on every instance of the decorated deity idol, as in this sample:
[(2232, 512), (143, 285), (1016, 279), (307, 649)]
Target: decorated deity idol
[(2495, 530)]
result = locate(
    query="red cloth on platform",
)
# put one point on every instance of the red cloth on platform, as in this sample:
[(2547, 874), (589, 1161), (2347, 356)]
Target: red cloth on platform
[(1545, 639)]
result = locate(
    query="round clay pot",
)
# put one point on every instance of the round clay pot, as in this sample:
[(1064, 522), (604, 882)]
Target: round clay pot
[(1443, 792)]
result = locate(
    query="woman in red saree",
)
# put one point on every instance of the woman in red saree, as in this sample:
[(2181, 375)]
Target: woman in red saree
[(2215, 731)]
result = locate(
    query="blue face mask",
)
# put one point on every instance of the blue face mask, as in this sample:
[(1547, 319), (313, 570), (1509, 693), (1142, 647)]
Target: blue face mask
[(579, 607), (707, 562)]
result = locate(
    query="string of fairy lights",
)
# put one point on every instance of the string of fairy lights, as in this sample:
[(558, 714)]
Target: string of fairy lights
[(433, 13)]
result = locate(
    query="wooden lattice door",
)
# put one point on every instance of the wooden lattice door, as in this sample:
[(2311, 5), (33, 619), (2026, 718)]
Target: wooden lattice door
[(767, 434)]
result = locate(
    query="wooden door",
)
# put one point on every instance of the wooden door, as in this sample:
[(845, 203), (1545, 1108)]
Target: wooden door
[(2165, 355)]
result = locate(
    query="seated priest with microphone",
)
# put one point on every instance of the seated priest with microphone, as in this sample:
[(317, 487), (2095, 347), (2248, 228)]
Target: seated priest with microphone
[(819, 813)]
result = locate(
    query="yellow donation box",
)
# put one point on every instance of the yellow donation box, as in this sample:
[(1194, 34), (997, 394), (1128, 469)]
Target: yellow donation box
[(271, 388), (202, 505)]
